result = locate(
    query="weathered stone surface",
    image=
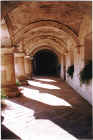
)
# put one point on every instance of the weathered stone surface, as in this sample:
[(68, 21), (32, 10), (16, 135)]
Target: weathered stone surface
[(28, 67), (19, 66), (27, 25), (8, 81)]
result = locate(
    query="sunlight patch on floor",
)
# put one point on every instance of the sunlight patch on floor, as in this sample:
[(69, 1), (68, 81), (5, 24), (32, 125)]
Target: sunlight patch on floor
[(44, 97), (45, 80), (13, 108), (46, 130), (38, 84), (21, 121)]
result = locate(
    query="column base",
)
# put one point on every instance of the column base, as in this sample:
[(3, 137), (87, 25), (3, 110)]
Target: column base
[(11, 91), (28, 77), (22, 81)]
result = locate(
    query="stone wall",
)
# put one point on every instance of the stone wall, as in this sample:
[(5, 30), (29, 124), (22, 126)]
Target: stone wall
[(81, 56)]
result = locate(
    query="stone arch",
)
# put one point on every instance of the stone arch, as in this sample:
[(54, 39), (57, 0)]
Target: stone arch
[(31, 47), (43, 30), (46, 36), (51, 23), (50, 41), (48, 28), (45, 47)]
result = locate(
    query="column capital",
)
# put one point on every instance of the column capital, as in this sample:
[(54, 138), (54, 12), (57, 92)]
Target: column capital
[(16, 49), (66, 53), (6, 50), (27, 57), (19, 54), (79, 46)]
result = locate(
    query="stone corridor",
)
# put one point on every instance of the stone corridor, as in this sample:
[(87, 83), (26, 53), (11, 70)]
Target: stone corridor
[(47, 109)]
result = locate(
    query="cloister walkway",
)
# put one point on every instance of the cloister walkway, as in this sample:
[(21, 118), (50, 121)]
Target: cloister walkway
[(47, 109)]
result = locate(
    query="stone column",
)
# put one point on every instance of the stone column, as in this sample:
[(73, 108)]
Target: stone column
[(68, 62), (76, 61), (81, 57), (63, 68), (8, 81), (28, 67), (19, 66)]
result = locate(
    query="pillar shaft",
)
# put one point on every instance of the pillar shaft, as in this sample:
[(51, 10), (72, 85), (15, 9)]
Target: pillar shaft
[(28, 67), (19, 66), (82, 57), (8, 81), (76, 61), (63, 68)]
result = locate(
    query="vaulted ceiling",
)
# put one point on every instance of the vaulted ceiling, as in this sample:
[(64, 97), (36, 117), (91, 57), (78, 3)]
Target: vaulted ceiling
[(53, 24)]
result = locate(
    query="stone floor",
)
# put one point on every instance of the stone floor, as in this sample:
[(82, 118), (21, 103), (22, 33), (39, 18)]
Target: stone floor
[(47, 109)]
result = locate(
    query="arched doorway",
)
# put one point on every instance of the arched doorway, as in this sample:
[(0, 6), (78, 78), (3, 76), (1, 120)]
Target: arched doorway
[(45, 62)]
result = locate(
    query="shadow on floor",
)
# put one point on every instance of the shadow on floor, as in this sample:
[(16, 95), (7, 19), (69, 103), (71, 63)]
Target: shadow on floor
[(7, 134), (77, 120), (66, 93), (70, 119)]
